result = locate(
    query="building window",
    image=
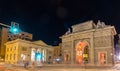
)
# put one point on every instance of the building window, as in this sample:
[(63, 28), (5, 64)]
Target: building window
[(7, 57), (24, 49), (10, 56), (27, 36), (14, 48), (102, 57), (50, 52), (9, 39), (14, 56), (22, 34), (66, 57), (11, 49), (8, 49)]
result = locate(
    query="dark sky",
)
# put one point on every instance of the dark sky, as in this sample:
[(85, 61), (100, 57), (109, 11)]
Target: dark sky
[(47, 20)]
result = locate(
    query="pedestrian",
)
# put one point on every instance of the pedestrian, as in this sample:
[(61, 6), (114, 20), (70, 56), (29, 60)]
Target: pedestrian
[(25, 65)]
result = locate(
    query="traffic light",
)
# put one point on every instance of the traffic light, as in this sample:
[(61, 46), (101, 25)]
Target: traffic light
[(14, 29)]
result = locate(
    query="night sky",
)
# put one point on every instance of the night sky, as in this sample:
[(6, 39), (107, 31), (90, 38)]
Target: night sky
[(47, 20)]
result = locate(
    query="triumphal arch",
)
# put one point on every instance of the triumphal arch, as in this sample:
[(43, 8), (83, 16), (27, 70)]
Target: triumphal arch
[(89, 43)]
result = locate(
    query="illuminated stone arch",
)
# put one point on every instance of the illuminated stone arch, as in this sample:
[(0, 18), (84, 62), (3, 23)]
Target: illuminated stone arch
[(82, 52)]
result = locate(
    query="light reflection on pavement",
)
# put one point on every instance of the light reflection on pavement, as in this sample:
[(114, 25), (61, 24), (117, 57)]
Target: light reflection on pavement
[(115, 68)]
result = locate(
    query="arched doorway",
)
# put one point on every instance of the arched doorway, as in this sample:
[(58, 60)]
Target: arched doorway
[(86, 55), (82, 52)]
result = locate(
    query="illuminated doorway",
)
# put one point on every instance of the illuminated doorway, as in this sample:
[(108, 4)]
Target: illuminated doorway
[(23, 57), (82, 52), (38, 56), (102, 57), (85, 55), (66, 58)]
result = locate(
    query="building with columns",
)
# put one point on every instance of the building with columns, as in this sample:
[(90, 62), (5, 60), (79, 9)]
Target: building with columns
[(89, 44), (18, 51)]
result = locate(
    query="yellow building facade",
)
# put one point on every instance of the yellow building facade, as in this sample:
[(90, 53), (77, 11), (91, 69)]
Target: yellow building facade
[(18, 51), (6, 36)]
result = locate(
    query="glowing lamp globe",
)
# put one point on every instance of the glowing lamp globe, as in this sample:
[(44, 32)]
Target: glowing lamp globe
[(14, 30)]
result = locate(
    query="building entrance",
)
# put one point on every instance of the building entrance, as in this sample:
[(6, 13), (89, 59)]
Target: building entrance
[(66, 57), (102, 57), (82, 52)]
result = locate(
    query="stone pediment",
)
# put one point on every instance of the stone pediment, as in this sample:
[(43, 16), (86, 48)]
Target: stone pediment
[(39, 42)]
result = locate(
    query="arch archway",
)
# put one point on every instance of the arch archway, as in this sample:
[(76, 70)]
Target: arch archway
[(86, 55), (82, 52)]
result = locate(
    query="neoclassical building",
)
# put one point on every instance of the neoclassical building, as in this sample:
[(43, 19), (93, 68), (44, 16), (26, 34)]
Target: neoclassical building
[(18, 51), (89, 44)]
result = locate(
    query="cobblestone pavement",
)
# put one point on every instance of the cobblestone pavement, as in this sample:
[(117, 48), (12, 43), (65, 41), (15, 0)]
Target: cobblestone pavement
[(116, 67), (59, 68)]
